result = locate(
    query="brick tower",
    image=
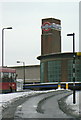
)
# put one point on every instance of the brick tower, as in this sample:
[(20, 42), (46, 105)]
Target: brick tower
[(51, 36)]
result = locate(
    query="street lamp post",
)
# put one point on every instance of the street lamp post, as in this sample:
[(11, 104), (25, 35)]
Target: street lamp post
[(23, 70), (3, 44), (74, 101)]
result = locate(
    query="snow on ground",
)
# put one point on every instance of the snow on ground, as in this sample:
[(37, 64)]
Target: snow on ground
[(77, 106), (6, 99)]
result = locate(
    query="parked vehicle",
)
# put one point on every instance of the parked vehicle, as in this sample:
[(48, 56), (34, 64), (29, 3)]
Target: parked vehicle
[(7, 80)]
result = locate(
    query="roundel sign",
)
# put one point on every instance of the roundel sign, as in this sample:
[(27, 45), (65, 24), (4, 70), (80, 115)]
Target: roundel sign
[(46, 26)]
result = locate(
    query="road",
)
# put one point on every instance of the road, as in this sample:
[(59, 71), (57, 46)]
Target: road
[(39, 106)]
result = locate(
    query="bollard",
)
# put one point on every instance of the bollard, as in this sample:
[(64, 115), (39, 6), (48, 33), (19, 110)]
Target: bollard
[(66, 86), (59, 86)]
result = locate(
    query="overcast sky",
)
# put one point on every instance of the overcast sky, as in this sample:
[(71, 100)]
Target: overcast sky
[(23, 42)]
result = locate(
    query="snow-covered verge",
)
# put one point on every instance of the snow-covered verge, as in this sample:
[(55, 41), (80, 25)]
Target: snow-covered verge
[(76, 108), (6, 99)]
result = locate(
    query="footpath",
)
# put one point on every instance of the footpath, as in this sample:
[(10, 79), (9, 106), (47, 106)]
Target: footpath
[(73, 109)]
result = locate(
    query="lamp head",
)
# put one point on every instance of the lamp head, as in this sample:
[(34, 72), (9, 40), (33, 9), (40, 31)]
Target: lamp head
[(71, 34), (18, 61), (9, 28)]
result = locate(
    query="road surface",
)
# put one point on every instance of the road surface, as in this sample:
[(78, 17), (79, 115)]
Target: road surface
[(39, 106)]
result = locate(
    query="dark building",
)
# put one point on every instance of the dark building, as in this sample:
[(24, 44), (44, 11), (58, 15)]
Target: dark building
[(54, 65)]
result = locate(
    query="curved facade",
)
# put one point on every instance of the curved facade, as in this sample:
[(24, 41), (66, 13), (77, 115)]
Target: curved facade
[(59, 67)]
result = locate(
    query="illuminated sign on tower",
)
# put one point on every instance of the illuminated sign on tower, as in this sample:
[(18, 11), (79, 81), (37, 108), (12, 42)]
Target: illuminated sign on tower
[(47, 26)]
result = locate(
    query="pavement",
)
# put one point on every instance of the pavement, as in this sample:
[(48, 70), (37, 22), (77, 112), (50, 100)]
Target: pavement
[(68, 106)]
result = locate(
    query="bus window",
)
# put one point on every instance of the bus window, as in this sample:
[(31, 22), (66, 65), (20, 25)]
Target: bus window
[(12, 77), (0, 76), (5, 77)]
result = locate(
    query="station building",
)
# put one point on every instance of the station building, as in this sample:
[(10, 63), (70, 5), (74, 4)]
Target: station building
[(54, 65)]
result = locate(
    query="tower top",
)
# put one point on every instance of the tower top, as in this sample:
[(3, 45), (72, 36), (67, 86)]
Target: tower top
[(49, 24), (51, 36)]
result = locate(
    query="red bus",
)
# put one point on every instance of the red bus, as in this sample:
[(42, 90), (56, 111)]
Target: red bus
[(7, 80)]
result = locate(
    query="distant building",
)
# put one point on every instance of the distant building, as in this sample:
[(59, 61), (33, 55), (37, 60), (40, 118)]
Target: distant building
[(54, 65), (32, 73)]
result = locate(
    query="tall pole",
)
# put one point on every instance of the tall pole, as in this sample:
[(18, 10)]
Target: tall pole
[(2, 47), (23, 70), (3, 44), (73, 43), (74, 100)]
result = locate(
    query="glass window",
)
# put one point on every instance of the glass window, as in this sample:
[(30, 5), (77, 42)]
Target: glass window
[(13, 77), (54, 71), (8, 77), (0, 77), (42, 72), (70, 70), (77, 70), (5, 77)]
